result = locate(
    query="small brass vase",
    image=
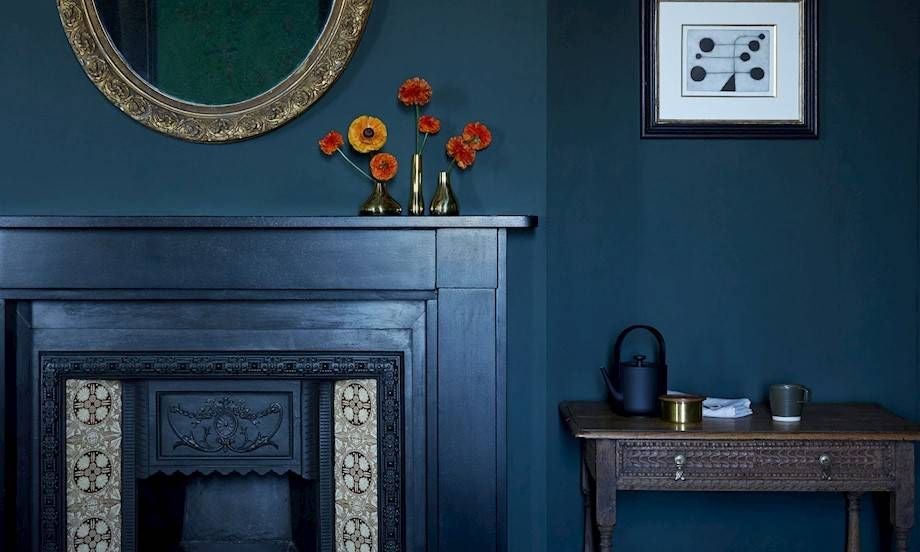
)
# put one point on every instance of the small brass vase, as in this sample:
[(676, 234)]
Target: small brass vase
[(380, 202), (416, 194), (444, 203)]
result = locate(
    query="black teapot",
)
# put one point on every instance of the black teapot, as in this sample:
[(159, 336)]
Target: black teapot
[(636, 385)]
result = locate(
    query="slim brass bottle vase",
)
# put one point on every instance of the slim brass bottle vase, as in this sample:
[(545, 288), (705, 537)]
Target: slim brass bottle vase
[(416, 194), (444, 203)]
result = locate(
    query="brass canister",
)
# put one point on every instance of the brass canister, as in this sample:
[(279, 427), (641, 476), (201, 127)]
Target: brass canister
[(681, 409)]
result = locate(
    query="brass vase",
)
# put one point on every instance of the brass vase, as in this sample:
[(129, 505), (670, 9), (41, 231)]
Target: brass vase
[(380, 202), (416, 195), (444, 203)]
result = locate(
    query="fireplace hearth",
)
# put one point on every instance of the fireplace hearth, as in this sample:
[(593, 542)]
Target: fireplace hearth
[(253, 384)]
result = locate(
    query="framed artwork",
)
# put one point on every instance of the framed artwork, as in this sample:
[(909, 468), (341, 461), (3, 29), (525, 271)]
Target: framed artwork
[(729, 69)]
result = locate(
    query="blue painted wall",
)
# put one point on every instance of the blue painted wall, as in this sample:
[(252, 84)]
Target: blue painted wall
[(760, 261), (66, 150)]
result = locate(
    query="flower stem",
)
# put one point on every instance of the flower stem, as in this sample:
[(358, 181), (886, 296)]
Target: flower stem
[(424, 141), (357, 168)]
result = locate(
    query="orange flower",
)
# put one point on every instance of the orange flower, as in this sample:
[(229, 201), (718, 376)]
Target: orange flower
[(477, 135), (384, 167), (331, 142), (415, 91), (429, 125), (461, 152), (367, 134)]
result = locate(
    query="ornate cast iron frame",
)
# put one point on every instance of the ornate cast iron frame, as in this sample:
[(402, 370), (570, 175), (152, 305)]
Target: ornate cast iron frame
[(56, 368), (137, 98)]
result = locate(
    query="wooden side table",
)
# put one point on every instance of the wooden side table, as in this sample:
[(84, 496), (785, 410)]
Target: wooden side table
[(847, 448)]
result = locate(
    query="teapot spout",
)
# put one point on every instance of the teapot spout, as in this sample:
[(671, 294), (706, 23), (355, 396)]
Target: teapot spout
[(616, 395)]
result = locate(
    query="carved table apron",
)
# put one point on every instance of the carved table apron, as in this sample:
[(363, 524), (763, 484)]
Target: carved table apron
[(848, 448)]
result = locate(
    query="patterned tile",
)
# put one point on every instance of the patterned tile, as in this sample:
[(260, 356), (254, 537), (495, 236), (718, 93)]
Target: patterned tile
[(93, 459), (356, 467)]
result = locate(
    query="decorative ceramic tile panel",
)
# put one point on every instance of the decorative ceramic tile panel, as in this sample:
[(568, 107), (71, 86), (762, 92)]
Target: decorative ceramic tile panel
[(356, 466), (93, 460)]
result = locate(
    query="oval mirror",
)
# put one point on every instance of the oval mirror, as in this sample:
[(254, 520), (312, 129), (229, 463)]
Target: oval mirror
[(213, 70)]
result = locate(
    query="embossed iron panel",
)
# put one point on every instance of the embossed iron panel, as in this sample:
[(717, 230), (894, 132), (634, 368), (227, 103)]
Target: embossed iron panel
[(226, 426)]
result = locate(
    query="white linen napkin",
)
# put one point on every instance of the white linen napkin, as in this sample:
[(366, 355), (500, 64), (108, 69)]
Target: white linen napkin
[(726, 408)]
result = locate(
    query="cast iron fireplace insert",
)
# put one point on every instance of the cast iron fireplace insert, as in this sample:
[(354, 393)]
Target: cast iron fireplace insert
[(258, 452)]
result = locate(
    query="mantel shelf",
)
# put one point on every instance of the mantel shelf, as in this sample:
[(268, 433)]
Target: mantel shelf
[(403, 222)]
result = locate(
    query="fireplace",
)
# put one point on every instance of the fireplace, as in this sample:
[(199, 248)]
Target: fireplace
[(253, 384)]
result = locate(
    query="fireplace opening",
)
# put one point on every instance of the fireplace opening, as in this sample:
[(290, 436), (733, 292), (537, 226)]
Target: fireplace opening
[(227, 513)]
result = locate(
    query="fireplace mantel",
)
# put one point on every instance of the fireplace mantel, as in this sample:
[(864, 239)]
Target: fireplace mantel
[(432, 289), (315, 223)]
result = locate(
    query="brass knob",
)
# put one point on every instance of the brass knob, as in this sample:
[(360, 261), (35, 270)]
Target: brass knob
[(679, 461), (825, 461)]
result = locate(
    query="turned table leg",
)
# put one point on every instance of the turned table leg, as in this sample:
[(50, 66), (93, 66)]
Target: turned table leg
[(901, 541), (589, 509), (853, 522), (605, 493), (902, 499)]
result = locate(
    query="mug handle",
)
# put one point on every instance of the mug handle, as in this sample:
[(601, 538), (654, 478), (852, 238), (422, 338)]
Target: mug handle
[(807, 397)]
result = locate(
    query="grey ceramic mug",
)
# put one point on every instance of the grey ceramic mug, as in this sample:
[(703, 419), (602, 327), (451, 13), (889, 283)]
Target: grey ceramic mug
[(787, 400)]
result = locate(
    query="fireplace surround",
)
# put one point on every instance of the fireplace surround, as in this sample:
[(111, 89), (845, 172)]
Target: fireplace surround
[(235, 349)]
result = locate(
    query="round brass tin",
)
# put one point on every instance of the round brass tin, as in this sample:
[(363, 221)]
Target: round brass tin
[(681, 409)]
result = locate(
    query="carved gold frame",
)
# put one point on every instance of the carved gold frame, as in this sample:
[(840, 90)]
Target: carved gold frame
[(141, 101)]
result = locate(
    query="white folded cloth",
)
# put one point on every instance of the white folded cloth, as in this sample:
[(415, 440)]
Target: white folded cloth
[(726, 408)]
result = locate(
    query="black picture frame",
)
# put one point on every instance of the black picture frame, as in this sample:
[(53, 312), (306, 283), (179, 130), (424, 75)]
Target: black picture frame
[(653, 128)]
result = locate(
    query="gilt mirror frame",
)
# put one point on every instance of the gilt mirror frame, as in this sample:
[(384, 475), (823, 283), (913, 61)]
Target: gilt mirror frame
[(140, 100)]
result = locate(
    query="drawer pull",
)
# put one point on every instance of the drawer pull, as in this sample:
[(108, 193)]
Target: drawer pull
[(679, 461), (825, 461)]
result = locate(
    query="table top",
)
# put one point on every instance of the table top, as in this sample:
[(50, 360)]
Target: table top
[(851, 421)]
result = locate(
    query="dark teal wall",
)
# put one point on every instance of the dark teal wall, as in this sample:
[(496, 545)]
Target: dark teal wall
[(66, 150), (760, 261)]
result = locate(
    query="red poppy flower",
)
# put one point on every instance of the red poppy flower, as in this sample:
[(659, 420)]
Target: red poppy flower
[(384, 167), (331, 142), (477, 135), (415, 91), (428, 124), (461, 152)]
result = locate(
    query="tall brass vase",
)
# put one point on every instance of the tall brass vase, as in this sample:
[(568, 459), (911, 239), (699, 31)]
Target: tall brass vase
[(416, 194), (444, 203), (380, 202)]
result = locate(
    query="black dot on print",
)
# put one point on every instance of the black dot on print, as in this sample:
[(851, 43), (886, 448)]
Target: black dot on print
[(757, 73), (745, 56), (697, 73), (707, 44), (699, 56), (754, 45), (762, 36)]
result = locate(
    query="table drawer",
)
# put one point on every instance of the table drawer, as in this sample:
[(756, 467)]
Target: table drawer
[(678, 462)]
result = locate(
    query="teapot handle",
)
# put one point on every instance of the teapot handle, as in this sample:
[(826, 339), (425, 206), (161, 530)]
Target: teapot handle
[(662, 354)]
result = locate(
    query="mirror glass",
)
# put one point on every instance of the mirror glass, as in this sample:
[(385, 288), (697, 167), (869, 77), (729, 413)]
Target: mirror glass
[(214, 52)]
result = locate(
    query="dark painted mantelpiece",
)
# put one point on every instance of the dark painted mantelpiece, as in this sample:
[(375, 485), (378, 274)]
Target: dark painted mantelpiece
[(430, 290)]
